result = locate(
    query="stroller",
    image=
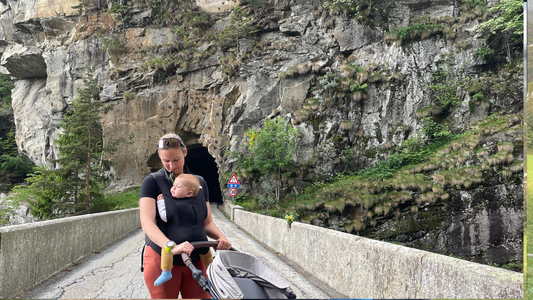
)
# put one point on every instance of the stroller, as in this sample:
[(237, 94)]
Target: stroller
[(237, 275)]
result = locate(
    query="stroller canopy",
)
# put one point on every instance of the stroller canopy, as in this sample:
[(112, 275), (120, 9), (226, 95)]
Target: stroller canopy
[(228, 265)]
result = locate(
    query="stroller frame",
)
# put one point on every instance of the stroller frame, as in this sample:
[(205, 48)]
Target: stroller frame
[(275, 288)]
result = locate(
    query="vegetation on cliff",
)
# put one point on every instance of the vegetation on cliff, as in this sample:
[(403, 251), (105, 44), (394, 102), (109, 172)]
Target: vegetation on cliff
[(74, 181)]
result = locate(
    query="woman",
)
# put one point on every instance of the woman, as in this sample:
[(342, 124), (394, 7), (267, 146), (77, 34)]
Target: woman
[(188, 220)]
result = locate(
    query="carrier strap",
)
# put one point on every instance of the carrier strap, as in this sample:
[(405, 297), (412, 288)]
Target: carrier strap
[(142, 258)]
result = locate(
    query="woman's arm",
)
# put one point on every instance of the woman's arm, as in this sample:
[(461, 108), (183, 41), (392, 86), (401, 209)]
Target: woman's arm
[(212, 231), (147, 211)]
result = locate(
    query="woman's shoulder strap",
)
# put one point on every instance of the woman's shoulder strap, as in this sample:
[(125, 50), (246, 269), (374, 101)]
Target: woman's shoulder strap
[(162, 182)]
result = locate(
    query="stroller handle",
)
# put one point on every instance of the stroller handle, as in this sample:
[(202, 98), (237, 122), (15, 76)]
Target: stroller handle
[(202, 244)]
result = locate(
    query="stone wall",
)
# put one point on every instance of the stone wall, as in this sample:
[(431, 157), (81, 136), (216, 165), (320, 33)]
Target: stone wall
[(31, 253), (363, 268)]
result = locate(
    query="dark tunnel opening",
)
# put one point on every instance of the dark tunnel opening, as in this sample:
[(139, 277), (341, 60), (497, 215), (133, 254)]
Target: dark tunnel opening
[(200, 162)]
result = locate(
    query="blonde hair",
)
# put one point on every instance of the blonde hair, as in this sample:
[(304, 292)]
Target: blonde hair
[(191, 182)]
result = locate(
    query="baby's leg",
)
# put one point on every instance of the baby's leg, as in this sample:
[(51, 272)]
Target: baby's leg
[(207, 258), (166, 266)]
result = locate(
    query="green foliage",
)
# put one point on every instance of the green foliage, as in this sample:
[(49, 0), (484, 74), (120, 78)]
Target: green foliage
[(385, 168), (6, 85), (356, 87), (197, 19), (241, 25), (270, 186), (17, 166), (444, 87), (364, 11), (269, 150), (433, 130), (8, 146), (44, 192), (414, 32), (116, 8), (508, 18), (484, 52), (516, 266), (83, 4), (506, 26), (117, 201), (80, 145), (272, 146)]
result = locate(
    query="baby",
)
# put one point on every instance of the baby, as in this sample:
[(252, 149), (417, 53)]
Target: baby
[(185, 185)]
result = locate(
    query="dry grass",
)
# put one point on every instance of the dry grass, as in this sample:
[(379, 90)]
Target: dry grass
[(437, 189), (506, 173), (505, 146), (517, 166), (439, 179), (346, 125)]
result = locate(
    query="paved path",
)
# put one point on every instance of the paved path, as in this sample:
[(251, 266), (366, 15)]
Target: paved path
[(115, 271)]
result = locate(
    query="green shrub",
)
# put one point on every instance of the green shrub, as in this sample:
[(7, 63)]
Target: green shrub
[(116, 201), (484, 52)]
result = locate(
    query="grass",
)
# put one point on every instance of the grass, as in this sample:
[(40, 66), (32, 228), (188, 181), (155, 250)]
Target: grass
[(123, 200)]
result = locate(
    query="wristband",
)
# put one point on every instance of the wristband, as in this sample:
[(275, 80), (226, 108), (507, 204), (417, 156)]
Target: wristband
[(169, 246)]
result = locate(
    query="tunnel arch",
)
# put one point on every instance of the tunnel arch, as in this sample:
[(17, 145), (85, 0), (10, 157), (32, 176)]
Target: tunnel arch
[(200, 162)]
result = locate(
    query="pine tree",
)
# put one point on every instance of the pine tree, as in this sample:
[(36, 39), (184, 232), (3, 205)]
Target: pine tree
[(77, 172), (80, 143)]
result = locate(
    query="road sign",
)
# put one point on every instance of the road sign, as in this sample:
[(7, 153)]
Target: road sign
[(233, 192), (232, 185), (233, 179)]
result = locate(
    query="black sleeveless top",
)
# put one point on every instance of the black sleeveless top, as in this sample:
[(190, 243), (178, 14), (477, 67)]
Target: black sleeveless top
[(185, 216)]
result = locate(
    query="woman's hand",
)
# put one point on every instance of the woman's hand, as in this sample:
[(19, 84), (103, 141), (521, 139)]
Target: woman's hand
[(223, 244), (183, 247)]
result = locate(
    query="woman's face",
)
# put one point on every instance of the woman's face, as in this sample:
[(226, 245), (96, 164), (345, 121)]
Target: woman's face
[(173, 159)]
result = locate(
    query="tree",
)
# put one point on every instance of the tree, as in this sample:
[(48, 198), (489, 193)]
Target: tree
[(241, 25), (78, 170), (507, 26), (80, 145), (269, 150), (7, 122), (45, 193)]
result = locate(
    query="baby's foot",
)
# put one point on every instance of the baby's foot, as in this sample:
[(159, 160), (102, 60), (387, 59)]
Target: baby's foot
[(164, 277)]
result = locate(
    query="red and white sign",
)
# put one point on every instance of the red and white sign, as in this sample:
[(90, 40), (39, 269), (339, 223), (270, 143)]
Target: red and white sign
[(233, 180), (233, 192)]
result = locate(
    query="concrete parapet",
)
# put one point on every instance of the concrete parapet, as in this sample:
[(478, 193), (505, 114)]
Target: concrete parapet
[(31, 253), (228, 208), (364, 268)]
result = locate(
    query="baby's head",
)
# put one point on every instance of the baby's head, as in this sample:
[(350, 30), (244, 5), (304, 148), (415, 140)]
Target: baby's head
[(185, 185)]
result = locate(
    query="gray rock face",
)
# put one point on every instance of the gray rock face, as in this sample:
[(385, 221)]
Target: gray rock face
[(20, 214), (212, 99), (24, 62)]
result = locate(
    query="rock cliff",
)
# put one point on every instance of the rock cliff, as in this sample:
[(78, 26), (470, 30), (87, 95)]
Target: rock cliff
[(165, 72)]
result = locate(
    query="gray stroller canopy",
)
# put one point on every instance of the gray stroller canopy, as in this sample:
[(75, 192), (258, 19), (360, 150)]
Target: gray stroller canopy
[(228, 265)]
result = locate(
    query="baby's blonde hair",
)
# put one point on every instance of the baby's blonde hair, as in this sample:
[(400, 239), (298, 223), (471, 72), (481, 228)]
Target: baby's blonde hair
[(191, 183)]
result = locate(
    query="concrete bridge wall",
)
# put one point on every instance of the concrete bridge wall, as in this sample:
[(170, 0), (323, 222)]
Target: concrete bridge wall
[(364, 268), (31, 253)]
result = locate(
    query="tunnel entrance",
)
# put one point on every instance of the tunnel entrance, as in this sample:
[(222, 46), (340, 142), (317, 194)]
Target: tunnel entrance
[(200, 162)]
